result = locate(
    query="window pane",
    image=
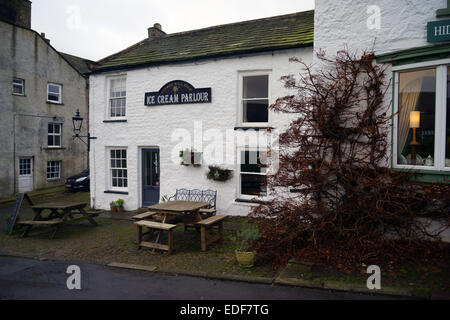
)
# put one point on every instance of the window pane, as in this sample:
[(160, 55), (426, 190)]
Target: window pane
[(53, 97), (253, 161), (256, 111), (447, 130), (256, 87), (253, 184), (416, 119), (53, 88)]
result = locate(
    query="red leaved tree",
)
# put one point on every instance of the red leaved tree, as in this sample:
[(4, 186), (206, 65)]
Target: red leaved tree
[(335, 200)]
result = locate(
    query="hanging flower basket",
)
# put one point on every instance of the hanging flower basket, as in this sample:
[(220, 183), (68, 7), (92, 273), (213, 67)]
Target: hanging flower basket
[(218, 174)]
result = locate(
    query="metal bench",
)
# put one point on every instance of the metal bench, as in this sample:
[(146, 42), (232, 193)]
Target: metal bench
[(206, 226), (209, 196)]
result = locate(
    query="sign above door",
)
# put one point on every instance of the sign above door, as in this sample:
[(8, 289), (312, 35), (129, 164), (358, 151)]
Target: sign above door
[(178, 92)]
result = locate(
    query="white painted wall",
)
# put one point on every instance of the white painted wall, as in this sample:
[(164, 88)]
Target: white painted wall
[(344, 22), (153, 126)]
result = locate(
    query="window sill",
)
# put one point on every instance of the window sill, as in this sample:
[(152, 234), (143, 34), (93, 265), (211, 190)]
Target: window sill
[(248, 202), (18, 95), (54, 148), (116, 192), (54, 102), (252, 128), (114, 121), (435, 176)]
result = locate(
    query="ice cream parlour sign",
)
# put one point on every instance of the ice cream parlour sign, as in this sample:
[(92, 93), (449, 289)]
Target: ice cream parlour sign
[(178, 92)]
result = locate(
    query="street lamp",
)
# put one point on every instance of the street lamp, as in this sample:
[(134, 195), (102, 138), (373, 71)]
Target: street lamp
[(77, 121)]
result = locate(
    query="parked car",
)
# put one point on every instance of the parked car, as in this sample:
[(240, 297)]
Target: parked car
[(79, 181)]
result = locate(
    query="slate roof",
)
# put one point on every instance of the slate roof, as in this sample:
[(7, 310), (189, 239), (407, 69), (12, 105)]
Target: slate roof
[(275, 33), (82, 65)]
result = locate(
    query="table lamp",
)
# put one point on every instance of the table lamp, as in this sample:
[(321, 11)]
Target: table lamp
[(414, 123)]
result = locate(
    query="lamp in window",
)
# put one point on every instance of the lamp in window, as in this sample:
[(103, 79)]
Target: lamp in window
[(77, 121), (414, 123)]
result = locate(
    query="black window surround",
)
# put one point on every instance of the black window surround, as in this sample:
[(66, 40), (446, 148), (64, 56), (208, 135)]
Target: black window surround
[(116, 192), (113, 121)]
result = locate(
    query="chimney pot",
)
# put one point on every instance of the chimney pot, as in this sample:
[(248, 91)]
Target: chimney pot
[(155, 32)]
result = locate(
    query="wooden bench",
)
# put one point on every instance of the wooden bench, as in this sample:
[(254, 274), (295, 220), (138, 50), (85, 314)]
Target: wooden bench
[(40, 223), (144, 215), (155, 226), (206, 226)]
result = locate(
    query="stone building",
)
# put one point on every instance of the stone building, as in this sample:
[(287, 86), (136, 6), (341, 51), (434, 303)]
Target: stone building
[(203, 93), (40, 91)]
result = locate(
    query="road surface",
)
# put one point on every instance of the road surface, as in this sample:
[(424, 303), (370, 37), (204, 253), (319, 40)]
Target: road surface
[(34, 279)]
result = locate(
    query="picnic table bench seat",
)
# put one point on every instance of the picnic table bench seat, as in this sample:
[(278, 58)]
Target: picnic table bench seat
[(42, 223), (155, 226), (145, 215), (206, 226)]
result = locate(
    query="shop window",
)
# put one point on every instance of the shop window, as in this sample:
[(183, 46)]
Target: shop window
[(422, 137)]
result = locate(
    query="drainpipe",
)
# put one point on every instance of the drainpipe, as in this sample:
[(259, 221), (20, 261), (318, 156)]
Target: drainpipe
[(14, 137)]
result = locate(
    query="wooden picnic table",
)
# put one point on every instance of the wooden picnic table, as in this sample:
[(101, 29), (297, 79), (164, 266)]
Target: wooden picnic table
[(60, 213), (188, 211)]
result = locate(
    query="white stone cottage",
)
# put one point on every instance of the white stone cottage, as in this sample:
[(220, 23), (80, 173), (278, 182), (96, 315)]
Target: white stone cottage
[(204, 91)]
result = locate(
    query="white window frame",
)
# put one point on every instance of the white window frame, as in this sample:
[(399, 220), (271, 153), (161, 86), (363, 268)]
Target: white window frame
[(241, 99), (239, 177), (440, 114), (55, 134), (110, 176), (49, 165), (22, 85), (108, 95), (60, 92)]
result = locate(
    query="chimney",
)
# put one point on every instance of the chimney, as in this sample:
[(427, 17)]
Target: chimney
[(155, 32), (17, 12), (43, 36)]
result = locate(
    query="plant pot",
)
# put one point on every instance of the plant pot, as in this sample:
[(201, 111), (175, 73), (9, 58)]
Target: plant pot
[(114, 209), (120, 209), (245, 259)]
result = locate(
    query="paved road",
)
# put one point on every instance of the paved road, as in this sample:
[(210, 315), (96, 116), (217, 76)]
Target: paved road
[(33, 279)]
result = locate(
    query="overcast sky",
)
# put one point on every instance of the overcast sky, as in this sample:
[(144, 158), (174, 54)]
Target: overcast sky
[(94, 29)]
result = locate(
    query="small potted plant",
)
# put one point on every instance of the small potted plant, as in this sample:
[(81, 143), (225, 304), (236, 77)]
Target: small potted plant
[(119, 204), (245, 239), (113, 206)]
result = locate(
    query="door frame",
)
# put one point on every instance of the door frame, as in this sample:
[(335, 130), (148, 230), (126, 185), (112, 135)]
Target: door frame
[(140, 172)]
